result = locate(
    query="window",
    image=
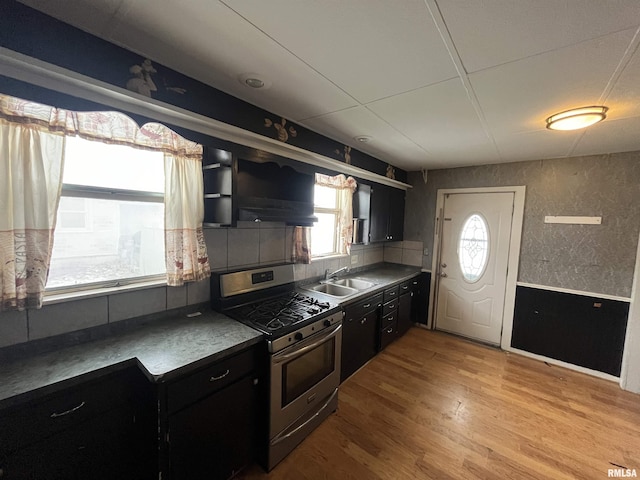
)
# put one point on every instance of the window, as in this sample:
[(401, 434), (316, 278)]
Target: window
[(473, 248), (324, 234), (333, 197), (110, 219)]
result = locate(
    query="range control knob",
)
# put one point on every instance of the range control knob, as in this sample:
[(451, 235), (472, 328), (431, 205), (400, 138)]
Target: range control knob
[(327, 323), (298, 336)]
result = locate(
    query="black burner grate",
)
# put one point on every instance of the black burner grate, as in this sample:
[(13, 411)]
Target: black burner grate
[(280, 312)]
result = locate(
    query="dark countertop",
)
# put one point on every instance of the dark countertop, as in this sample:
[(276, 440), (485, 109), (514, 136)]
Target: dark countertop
[(382, 276), (163, 349)]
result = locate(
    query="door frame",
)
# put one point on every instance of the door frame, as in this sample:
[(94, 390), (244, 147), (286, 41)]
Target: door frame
[(512, 265)]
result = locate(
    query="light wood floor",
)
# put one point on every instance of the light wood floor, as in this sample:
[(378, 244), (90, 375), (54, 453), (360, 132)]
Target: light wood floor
[(436, 406)]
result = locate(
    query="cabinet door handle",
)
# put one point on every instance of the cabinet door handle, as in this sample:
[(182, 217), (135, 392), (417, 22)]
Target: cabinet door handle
[(213, 379), (415, 283), (71, 410)]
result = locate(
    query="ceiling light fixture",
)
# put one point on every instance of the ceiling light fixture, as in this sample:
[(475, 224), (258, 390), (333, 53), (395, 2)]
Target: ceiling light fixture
[(576, 118), (254, 80), (362, 138)]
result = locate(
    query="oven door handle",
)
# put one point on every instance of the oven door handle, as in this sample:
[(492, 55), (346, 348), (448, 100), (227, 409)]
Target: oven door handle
[(282, 436), (278, 358)]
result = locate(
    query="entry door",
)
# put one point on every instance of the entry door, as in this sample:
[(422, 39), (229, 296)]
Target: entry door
[(472, 274)]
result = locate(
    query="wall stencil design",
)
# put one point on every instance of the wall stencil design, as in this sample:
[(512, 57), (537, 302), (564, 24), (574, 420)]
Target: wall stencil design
[(391, 172), (142, 82), (281, 128), (346, 156)]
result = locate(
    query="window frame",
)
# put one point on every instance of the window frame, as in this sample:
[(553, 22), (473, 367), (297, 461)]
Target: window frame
[(113, 194)]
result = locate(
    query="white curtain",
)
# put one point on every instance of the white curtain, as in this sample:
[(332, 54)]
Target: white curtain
[(30, 181), (185, 249), (345, 187), (301, 252), (32, 152)]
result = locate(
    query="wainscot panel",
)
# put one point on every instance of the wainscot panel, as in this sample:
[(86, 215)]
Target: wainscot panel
[(582, 330)]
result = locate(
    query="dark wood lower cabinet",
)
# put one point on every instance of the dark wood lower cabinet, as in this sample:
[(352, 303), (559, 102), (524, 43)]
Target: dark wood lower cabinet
[(214, 438), (101, 430), (404, 312), (209, 419), (359, 335)]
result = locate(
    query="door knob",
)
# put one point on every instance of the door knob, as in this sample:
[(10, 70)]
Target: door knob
[(443, 265), (443, 275)]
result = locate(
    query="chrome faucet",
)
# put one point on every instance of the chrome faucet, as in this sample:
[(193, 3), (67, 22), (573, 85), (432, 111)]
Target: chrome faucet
[(328, 275)]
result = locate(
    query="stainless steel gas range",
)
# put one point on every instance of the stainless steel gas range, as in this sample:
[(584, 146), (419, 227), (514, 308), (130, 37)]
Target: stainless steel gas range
[(303, 332)]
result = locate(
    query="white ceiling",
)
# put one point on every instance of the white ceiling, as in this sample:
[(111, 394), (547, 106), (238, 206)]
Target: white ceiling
[(434, 83)]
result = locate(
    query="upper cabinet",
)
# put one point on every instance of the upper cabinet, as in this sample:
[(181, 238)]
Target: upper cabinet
[(386, 222), (219, 187), (238, 186)]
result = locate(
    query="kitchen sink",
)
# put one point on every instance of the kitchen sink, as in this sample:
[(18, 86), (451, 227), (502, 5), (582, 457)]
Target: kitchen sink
[(333, 289), (356, 283)]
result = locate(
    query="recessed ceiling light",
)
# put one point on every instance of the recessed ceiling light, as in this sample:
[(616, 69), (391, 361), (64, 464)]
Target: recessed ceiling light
[(362, 138), (576, 118), (254, 80)]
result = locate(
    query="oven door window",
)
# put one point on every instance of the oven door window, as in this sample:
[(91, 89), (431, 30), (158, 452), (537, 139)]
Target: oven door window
[(305, 371)]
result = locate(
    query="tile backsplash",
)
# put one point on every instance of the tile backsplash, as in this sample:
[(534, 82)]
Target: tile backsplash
[(248, 245)]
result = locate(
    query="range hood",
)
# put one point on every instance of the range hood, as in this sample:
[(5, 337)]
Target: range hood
[(270, 210)]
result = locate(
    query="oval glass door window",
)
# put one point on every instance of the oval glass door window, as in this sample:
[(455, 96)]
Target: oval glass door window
[(473, 248)]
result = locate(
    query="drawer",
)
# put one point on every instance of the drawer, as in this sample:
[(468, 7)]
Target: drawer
[(390, 294), (362, 308), (208, 380), (388, 320), (409, 286), (388, 335), (389, 307), (41, 418)]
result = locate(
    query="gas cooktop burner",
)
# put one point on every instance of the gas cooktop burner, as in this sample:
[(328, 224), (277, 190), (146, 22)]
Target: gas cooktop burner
[(280, 312)]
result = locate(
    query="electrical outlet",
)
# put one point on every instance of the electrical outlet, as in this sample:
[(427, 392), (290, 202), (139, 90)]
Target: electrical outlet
[(426, 252), (354, 259)]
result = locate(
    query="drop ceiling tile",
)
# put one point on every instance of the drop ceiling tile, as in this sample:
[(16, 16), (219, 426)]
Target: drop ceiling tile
[(211, 43), (610, 136), (519, 96), (535, 145), (440, 118), (386, 143), (493, 32), (370, 48), (93, 16), (624, 99)]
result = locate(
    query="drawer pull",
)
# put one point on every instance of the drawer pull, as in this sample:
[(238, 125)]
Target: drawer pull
[(389, 319), (363, 321), (391, 306), (415, 283), (220, 377), (405, 287), (56, 415), (390, 330), (366, 305)]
